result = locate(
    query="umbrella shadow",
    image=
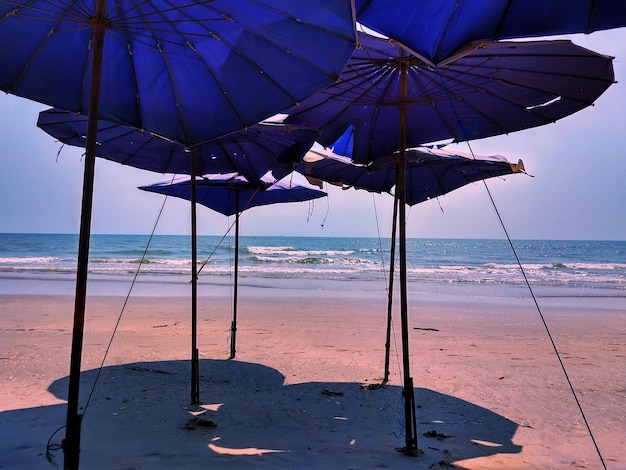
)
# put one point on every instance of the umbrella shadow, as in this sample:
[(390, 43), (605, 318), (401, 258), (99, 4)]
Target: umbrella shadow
[(139, 417)]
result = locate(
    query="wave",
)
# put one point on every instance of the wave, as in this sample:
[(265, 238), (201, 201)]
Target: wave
[(263, 250), (291, 251), (30, 260), (441, 261), (559, 265)]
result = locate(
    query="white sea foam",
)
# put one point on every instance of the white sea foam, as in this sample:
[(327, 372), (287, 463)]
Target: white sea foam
[(593, 264), (290, 251)]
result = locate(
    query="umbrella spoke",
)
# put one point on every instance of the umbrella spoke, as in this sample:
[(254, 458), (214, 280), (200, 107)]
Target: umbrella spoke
[(486, 89)]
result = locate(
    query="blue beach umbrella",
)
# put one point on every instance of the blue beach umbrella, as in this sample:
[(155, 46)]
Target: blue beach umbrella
[(395, 100), (188, 71), (435, 29), (251, 152), (485, 89), (430, 172), (231, 194), (254, 153)]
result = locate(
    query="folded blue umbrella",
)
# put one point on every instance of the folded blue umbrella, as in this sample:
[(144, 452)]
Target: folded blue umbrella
[(231, 194), (430, 172)]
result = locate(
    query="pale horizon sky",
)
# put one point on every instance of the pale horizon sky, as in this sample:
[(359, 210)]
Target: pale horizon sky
[(578, 192)]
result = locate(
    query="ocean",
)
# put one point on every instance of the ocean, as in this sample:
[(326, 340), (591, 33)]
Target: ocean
[(46, 263)]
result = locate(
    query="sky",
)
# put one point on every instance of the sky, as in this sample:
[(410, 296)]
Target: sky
[(578, 191)]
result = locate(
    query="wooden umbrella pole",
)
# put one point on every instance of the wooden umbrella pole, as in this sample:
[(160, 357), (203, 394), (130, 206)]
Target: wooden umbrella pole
[(71, 443), (233, 328), (392, 262), (407, 391), (195, 379)]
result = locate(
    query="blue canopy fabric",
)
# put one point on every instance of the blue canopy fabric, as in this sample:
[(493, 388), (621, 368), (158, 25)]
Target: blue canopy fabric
[(189, 71), (219, 192), (486, 89), (251, 152), (232, 194), (430, 172), (323, 165), (435, 29)]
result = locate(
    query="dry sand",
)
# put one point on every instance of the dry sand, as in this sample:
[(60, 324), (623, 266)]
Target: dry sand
[(489, 389)]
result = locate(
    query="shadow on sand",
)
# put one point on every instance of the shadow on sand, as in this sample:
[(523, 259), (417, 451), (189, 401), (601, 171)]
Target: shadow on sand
[(140, 417)]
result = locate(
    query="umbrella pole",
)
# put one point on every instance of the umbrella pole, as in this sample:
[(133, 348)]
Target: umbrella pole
[(392, 263), (195, 380), (233, 327), (407, 391), (71, 443)]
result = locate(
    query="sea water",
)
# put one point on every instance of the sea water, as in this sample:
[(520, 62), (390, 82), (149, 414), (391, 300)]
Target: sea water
[(161, 265)]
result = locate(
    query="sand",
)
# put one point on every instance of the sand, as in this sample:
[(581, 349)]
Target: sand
[(302, 391)]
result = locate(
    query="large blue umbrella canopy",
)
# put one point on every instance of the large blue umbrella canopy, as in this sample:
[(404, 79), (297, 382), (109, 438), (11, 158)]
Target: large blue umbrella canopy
[(430, 172), (231, 194), (189, 71), (251, 152), (485, 89), (435, 29)]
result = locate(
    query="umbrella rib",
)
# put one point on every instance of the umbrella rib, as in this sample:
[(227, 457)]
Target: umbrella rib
[(591, 16), (211, 72), (134, 81), (485, 75), (446, 29), (313, 26), (241, 116), (276, 84), (231, 150), (460, 97), (144, 148), (503, 18), (173, 84), (438, 178), (354, 84), (335, 177), (436, 109), (227, 153), (80, 16), (41, 45), (241, 160)]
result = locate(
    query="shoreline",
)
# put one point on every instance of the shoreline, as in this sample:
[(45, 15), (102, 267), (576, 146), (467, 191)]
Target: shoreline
[(221, 286)]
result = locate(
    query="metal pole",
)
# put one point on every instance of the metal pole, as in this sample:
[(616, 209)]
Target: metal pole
[(71, 443), (407, 391), (392, 263), (195, 379), (233, 328)]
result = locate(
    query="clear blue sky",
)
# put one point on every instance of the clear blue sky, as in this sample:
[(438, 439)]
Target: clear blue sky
[(579, 189)]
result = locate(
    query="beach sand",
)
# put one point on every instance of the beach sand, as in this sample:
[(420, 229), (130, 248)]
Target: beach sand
[(489, 390)]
